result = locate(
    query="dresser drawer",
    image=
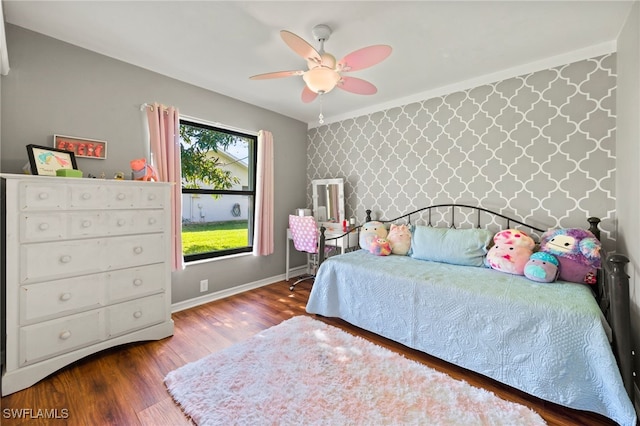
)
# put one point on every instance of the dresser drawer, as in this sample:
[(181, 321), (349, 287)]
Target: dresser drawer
[(54, 337), (41, 196), (136, 250), (115, 222), (101, 197), (136, 222), (35, 227), (118, 196), (136, 314), (46, 261), (152, 197), (135, 282), (62, 297), (49, 261), (42, 227)]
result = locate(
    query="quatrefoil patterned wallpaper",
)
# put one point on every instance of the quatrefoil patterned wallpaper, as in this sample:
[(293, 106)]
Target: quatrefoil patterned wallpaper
[(539, 146)]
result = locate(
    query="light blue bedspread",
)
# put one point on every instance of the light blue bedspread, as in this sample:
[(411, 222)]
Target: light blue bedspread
[(545, 339)]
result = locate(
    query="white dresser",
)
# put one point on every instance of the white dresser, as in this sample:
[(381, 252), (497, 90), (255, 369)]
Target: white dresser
[(87, 268)]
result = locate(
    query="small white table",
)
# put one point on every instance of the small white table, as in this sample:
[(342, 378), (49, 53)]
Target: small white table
[(345, 243)]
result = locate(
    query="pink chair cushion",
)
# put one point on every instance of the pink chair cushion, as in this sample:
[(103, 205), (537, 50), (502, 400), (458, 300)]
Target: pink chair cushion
[(304, 232)]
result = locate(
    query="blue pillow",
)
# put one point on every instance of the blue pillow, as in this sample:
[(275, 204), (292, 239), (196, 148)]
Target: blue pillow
[(447, 245)]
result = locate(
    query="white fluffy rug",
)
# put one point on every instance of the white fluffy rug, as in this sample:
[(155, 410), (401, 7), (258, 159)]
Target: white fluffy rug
[(304, 372)]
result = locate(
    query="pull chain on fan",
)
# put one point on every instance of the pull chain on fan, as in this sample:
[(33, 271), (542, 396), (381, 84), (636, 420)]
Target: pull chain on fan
[(325, 73), (321, 117)]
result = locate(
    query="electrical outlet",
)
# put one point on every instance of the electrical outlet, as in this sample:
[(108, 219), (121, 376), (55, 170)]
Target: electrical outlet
[(204, 285)]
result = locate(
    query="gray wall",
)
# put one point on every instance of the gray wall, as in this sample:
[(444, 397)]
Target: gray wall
[(539, 146), (54, 87), (627, 163)]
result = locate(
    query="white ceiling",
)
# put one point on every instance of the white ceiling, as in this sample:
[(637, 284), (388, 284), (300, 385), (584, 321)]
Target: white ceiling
[(437, 45)]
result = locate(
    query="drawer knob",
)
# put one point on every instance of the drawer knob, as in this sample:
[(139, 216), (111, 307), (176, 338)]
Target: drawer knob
[(152, 221), (121, 196), (65, 296), (43, 226), (65, 259), (65, 335), (137, 250), (121, 222), (86, 196), (43, 195), (152, 196), (86, 223), (137, 282), (137, 314)]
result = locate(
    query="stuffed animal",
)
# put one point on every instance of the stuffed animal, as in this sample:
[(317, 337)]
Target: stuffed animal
[(578, 252), (542, 267), (371, 231), (511, 251), (143, 171), (380, 247), (400, 239)]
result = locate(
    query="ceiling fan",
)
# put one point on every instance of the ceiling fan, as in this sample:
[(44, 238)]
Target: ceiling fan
[(324, 71)]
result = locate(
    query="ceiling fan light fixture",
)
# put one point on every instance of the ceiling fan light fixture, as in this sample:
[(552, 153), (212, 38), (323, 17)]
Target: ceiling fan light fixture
[(321, 79)]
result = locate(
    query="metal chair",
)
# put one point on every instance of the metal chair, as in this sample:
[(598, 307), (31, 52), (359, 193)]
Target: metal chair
[(304, 233)]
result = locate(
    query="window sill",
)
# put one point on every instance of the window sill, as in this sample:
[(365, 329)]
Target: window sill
[(216, 259)]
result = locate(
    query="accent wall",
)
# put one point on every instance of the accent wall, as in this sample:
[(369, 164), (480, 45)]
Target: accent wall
[(539, 146)]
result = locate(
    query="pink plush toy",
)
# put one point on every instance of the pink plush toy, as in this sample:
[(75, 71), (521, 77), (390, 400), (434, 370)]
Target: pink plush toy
[(578, 252), (400, 239), (510, 252), (143, 171), (380, 247)]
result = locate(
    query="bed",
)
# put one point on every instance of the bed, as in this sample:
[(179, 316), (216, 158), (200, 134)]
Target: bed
[(563, 342)]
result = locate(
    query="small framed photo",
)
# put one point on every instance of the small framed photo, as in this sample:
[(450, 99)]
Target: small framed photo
[(45, 160), (81, 147)]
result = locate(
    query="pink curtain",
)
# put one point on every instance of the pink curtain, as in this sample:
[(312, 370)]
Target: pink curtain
[(164, 138), (263, 235)]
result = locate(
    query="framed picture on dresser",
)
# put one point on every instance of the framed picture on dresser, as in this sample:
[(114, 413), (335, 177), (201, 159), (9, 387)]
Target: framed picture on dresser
[(81, 147), (45, 160)]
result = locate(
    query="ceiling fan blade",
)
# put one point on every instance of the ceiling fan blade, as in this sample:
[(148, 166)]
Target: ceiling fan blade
[(300, 46), (357, 86), (364, 58), (308, 95), (278, 74)]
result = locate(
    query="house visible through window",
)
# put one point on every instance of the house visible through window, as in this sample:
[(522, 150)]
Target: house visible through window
[(218, 190)]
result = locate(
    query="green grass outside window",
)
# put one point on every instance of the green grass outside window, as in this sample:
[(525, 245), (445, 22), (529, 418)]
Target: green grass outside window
[(205, 237)]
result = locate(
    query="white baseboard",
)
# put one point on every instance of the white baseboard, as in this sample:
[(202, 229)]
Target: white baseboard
[(210, 297)]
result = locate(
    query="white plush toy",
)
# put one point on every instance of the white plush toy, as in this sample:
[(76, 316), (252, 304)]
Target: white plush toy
[(371, 231), (400, 239)]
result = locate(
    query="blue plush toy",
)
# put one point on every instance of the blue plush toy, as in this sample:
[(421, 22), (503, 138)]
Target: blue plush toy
[(542, 267)]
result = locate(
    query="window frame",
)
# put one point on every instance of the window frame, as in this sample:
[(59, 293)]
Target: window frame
[(250, 193)]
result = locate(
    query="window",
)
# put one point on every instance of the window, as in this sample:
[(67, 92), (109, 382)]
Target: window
[(218, 190)]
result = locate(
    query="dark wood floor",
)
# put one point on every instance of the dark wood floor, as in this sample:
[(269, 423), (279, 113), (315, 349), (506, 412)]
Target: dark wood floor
[(124, 385)]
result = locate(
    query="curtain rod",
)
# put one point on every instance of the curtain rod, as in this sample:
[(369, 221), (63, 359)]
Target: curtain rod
[(146, 105)]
